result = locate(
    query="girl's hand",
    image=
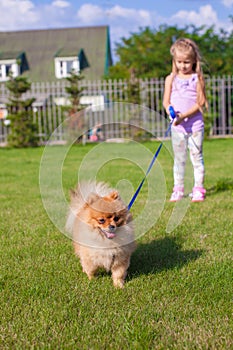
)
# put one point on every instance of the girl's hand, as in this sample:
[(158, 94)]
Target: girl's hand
[(178, 119)]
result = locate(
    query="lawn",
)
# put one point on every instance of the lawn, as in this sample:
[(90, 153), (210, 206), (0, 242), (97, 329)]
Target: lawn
[(178, 292)]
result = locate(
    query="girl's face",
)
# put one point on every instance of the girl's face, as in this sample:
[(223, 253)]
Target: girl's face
[(183, 62)]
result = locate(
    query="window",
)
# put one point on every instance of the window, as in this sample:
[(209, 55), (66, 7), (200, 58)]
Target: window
[(7, 67), (64, 66)]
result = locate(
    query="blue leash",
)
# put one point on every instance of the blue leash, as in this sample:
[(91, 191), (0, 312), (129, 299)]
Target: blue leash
[(173, 115)]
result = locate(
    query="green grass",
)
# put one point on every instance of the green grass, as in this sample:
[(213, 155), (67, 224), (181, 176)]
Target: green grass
[(178, 293)]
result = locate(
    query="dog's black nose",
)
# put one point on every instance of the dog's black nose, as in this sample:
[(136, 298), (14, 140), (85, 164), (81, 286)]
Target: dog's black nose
[(111, 228)]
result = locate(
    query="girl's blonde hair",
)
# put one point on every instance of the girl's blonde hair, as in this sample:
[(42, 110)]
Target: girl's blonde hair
[(191, 50)]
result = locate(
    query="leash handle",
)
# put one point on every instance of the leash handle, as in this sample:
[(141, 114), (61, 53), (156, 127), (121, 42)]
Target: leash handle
[(172, 112)]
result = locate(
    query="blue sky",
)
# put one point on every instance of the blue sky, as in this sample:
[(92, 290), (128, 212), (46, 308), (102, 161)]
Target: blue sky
[(123, 17)]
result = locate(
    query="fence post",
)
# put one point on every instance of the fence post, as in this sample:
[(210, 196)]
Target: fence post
[(223, 107)]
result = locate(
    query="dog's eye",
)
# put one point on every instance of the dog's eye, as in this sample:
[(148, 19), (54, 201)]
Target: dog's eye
[(101, 221), (116, 218)]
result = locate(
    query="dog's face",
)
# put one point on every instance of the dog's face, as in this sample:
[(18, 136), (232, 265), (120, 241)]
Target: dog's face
[(105, 213)]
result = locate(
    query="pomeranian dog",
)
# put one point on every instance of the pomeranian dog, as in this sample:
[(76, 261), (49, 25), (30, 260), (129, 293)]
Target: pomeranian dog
[(102, 230)]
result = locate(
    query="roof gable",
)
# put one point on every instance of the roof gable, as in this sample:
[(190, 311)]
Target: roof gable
[(80, 54), (17, 56)]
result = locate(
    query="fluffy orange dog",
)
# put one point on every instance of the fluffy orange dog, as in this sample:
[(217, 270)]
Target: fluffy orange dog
[(102, 232)]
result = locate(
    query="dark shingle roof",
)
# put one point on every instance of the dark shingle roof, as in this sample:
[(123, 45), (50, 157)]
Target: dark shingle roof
[(41, 46), (6, 55)]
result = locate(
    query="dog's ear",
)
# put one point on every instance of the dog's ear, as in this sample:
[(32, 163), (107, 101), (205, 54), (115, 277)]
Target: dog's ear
[(114, 195), (129, 217), (92, 198)]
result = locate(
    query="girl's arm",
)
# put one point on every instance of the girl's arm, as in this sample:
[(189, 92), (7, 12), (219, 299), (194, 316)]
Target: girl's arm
[(188, 114), (167, 93)]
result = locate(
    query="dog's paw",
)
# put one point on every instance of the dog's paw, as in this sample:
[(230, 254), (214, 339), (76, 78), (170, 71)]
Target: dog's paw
[(90, 276), (118, 283)]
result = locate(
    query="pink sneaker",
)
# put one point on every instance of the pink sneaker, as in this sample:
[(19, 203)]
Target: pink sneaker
[(198, 194), (177, 194)]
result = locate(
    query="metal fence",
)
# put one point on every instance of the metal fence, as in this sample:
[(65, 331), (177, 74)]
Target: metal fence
[(111, 104)]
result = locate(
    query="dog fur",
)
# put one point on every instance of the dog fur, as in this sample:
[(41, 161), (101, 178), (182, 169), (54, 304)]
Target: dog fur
[(102, 230)]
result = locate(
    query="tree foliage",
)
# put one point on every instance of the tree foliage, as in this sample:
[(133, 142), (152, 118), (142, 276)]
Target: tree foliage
[(23, 131), (148, 51), (74, 90)]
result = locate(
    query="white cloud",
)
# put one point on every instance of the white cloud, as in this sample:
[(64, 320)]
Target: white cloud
[(18, 14), (227, 3), (118, 12), (90, 14), (205, 16), (94, 14), (60, 3)]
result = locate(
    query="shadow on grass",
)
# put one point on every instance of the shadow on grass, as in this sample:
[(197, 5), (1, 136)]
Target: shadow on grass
[(158, 255), (221, 186)]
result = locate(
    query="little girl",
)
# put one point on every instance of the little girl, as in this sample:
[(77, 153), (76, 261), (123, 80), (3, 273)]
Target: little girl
[(185, 91)]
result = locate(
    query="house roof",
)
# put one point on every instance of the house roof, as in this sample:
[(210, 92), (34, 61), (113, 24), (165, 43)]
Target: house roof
[(8, 55), (41, 47)]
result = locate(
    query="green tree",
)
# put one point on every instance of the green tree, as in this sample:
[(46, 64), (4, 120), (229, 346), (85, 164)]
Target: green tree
[(132, 92), (74, 90), (148, 51), (23, 131)]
